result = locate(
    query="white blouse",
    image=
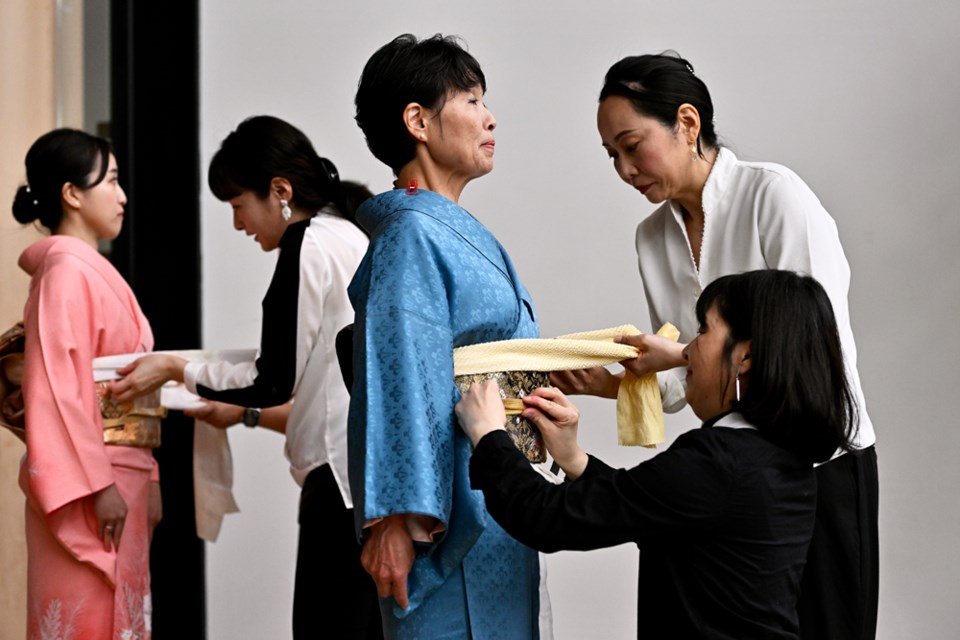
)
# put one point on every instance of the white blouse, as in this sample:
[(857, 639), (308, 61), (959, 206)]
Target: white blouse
[(305, 307), (757, 215)]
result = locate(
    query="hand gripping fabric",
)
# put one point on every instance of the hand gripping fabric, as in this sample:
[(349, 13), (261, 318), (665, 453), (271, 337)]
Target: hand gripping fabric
[(639, 409)]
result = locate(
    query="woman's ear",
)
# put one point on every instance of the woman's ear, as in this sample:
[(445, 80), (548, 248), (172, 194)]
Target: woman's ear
[(741, 356), (688, 123), (415, 119), (281, 188), (70, 194)]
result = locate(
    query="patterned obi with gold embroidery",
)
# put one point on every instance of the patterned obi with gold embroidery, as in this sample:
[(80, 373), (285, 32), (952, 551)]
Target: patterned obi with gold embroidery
[(514, 385), (130, 424)]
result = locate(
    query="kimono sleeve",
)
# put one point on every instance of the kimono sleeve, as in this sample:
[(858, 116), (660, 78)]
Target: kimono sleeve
[(401, 421), (66, 457)]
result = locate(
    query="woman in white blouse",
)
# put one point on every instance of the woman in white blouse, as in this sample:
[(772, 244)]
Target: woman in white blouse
[(722, 216), (292, 200)]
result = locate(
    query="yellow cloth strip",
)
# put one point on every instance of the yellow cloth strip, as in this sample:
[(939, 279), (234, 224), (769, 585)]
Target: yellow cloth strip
[(639, 410), (513, 406), (574, 351)]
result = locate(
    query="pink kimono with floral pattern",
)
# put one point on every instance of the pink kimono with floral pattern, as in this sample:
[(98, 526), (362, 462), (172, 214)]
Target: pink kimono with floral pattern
[(80, 308)]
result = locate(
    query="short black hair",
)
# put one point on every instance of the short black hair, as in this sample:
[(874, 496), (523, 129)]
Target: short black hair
[(56, 158), (797, 392), (409, 70), (656, 85), (265, 147)]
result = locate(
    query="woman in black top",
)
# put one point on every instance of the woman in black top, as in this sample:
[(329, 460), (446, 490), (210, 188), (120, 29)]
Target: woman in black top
[(292, 200), (725, 515)]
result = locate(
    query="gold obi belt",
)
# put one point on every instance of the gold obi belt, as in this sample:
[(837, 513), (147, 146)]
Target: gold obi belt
[(131, 424), (520, 366)]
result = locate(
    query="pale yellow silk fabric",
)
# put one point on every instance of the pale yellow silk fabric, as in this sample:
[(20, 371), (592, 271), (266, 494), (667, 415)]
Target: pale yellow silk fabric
[(639, 410)]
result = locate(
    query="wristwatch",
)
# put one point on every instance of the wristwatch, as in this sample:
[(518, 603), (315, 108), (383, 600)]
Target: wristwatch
[(251, 417)]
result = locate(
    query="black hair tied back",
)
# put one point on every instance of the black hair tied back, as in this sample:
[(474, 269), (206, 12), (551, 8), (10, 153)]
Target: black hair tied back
[(328, 169), (59, 157), (26, 208), (657, 85), (264, 147)]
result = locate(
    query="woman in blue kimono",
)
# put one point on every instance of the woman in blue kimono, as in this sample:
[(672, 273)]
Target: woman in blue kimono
[(434, 278)]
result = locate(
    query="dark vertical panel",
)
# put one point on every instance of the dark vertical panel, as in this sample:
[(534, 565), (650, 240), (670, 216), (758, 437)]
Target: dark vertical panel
[(155, 69)]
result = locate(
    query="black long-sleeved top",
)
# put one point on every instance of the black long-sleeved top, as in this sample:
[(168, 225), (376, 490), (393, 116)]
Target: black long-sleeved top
[(304, 308), (723, 519)]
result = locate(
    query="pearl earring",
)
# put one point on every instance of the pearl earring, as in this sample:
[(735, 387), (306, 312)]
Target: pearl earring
[(285, 209)]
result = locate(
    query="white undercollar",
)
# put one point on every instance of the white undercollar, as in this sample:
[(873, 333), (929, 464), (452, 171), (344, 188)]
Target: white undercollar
[(733, 421)]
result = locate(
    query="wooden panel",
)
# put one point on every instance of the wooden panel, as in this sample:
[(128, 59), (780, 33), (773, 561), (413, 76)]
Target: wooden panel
[(27, 110)]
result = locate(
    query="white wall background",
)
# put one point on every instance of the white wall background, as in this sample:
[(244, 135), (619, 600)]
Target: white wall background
[(860, 98)]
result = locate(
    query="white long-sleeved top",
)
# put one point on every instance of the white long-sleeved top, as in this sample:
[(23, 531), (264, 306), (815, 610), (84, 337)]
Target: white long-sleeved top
[(305, 307), (757, 215)]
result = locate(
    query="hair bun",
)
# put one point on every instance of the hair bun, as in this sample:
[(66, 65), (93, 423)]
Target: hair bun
[(26, 209), (328, 169)]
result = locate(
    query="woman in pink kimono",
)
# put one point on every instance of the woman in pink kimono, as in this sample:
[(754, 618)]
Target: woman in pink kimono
[(91, 507)]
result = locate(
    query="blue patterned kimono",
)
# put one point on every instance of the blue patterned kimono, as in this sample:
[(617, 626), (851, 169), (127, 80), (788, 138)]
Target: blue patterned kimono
[(433, 279)]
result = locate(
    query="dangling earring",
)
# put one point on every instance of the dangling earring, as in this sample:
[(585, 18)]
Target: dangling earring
[(738, 381), (285, 209), (693, 150)]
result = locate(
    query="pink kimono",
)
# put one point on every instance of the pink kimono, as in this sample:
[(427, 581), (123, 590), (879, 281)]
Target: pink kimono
[(80, 308)]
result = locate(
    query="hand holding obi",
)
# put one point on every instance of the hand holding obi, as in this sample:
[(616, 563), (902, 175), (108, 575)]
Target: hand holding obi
[(558, 420), (481, 411)]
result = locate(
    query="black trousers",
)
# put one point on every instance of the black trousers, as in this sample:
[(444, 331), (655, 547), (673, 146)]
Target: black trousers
[(840, 588), (333, 596)]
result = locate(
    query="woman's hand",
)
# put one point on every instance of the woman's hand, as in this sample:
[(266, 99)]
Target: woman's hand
[(147, 374), (481, 411), (558, 419), (656, 354), (111, 512), (595, 381), (154, 508), (388, 557), (218, 414)]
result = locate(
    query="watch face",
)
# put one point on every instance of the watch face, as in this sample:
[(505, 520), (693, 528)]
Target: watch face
[(251, 417)]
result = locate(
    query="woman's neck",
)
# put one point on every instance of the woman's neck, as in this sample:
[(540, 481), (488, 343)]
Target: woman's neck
[(691, 197), (69, 226), (431, 177), (298, 215)]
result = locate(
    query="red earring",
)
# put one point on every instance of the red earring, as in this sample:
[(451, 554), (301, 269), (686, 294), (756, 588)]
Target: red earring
[(411, 187)]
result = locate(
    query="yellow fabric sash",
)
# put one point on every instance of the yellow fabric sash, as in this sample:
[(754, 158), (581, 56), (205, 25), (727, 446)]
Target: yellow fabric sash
[(639, 409)]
